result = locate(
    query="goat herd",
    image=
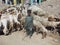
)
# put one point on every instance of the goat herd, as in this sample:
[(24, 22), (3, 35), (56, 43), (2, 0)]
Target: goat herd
[(11, 19)]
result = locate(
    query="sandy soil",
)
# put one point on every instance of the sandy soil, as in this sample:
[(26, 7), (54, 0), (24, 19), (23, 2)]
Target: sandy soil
[(17, 38)]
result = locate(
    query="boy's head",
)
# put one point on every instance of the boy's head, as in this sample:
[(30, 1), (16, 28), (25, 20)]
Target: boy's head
[(29, 12)]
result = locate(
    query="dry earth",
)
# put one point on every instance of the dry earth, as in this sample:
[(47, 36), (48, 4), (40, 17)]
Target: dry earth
[(17, 38)]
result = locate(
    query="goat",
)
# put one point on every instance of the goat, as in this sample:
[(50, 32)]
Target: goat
[(4, 23)]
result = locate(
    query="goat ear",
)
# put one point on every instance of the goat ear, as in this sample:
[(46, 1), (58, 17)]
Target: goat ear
[(2, 27), (0, 13), (0, 16)]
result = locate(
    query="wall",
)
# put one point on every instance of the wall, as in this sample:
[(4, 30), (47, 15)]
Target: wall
[(32, 1), (14, 2)]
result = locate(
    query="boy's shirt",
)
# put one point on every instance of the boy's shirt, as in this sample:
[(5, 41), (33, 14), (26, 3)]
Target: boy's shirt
[(28, 22)]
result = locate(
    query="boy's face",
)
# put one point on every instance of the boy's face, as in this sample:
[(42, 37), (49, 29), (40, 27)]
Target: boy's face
[(29, 12)]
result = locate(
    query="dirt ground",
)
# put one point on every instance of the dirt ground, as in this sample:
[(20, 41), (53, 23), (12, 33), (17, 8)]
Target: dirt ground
[(17, 38)]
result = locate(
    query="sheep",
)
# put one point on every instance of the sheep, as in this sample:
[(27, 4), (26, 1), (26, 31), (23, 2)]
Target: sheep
[(22, 22), (51, 19), (38, 25), (4, 23), (40, 28), (10, 21), (19, 16), (13, 20), (24, 11), (46, 23), (55, 19), (58, 28), (0, 14)]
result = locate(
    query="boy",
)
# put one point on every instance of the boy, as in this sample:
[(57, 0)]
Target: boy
[(29, 23)]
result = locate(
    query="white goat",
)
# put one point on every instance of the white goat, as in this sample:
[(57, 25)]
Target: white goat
[(4, 23)]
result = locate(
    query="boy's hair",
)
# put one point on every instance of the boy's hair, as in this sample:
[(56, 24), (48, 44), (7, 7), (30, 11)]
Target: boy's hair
[(28, 11)]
